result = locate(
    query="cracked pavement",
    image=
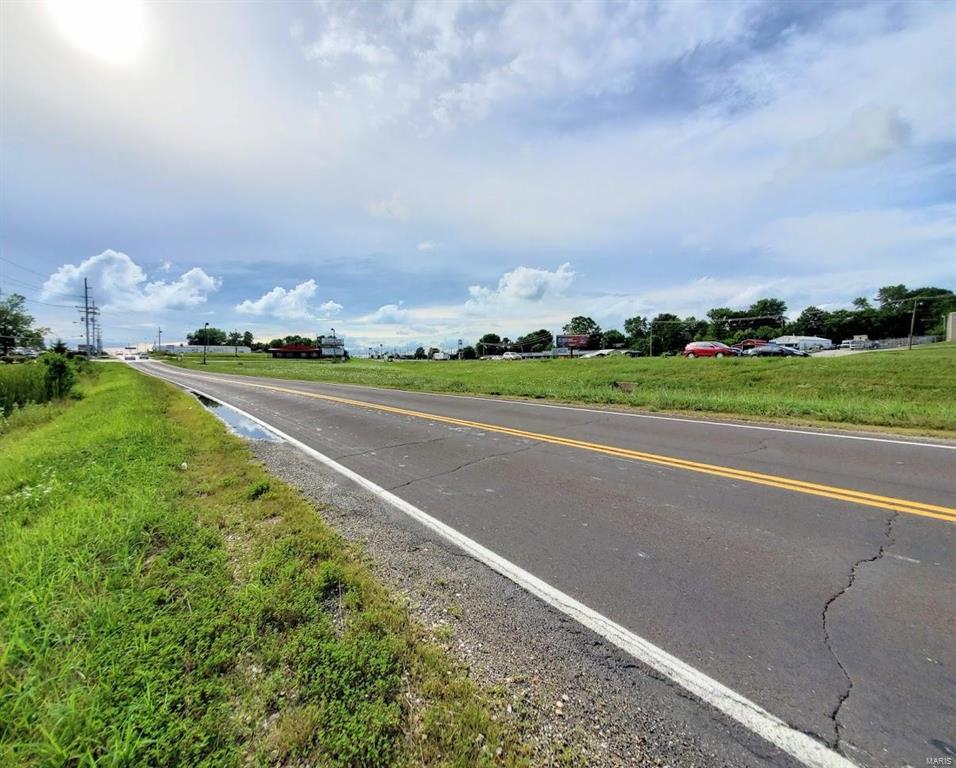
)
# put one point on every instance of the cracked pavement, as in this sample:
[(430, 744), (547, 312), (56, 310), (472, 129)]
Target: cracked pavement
[(836, 617), (838, 727)]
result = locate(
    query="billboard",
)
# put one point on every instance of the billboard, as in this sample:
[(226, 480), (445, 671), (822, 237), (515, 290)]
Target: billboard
[(576, 341)]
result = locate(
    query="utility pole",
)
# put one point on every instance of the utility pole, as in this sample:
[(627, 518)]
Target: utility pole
[(205, 341), (913, 322), (235, 338), (459, 349), (89, 313), (86, 313)]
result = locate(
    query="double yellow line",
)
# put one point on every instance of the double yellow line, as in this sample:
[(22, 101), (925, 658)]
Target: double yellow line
[(743, 475)]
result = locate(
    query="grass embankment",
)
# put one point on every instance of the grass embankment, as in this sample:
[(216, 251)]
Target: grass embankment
[(911, 391), (152, 614)]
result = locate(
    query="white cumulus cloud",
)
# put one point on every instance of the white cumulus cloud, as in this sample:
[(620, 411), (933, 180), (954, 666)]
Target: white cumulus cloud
[(289, 304), (388, 313), (120, 284), (524, 284)]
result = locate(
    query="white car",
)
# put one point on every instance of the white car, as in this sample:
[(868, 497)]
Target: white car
[(511, 356)]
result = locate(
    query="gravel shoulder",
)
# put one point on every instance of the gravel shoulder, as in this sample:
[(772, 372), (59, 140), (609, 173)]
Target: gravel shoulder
[(577, 699)]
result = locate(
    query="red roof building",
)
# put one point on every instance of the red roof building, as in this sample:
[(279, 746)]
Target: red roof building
[(296, 351)]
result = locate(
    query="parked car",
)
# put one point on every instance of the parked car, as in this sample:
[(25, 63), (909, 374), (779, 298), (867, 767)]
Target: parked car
[(746, 344), (511, 356), (613, 353), (708, 349), (775, 350)]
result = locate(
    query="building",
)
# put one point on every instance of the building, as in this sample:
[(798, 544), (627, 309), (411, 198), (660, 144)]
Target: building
[(805, 343), (212, 349), (327, 347), (296, 351)]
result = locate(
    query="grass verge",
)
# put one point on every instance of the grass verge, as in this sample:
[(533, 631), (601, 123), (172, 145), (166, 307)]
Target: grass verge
[(164, 601), (899, 390)]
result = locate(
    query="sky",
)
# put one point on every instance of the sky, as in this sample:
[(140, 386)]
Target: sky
[(417, 172)]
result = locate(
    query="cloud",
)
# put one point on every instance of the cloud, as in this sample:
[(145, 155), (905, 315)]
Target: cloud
[(428, 245), (389, 208), (292, 304), (330, 308), (388, 314), (523, 284), (835, 239), (120, 284)]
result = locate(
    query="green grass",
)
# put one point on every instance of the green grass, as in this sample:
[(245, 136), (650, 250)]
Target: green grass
[(20, 384), (906, 391), (152, 614)]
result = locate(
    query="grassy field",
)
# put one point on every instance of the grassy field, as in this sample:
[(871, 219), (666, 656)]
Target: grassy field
[(164, 601), (907, 391)]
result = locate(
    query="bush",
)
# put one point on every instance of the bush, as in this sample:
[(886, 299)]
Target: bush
[(60, 374), (51, 377)]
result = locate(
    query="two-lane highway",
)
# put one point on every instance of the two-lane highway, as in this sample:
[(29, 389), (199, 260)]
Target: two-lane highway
[(813, 573)]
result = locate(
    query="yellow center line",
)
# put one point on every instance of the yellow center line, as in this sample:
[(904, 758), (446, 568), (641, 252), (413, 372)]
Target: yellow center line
[(773, 481)]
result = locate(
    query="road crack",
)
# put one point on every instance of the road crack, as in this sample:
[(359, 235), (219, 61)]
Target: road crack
[(462, 466), (887, 542), (389, 447)]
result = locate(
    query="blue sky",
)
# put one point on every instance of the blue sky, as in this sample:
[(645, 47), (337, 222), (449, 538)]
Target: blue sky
[(418, 172)]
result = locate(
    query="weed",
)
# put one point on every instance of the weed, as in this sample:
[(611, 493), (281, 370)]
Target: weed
[(150, 617)]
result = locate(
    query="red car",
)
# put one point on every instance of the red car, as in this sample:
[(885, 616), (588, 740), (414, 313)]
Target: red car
[(708, 349)]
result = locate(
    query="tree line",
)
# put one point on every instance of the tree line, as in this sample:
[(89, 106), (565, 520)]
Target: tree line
[(766, 318)]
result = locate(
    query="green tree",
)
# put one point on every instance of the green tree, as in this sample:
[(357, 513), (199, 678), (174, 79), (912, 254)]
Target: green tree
[(247, 339), (580, 325), (861, 302), (420, 353), (812, 322), (667, 333), (536, 341), (891, 294), (768, 308), (211, 336), (489, 344), (613, 338), (468, 353), (60, 347), (234, 339), (16, 325), (636, 330), (720, 325)]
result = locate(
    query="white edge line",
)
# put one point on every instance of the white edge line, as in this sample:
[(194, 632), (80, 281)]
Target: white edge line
[(581, 409), (802, 746)]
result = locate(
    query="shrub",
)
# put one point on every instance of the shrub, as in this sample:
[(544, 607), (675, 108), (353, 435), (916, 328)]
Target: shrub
[(60, 374), (53, 376)]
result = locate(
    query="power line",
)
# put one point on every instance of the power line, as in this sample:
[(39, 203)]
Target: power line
[(25, 269), (45, 303), (20, 282)]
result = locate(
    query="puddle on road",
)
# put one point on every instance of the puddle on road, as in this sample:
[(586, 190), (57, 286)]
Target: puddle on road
[(237, 423)]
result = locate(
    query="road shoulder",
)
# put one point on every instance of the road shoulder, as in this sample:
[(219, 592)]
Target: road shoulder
[(578, 698)]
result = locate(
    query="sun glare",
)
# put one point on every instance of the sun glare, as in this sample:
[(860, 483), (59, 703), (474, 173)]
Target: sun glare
[(111, 30)]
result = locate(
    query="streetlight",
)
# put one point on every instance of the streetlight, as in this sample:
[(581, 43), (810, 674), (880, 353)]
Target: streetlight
[(205, 341)]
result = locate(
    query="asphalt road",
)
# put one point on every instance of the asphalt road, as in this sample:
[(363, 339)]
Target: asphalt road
[(813, 573)]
